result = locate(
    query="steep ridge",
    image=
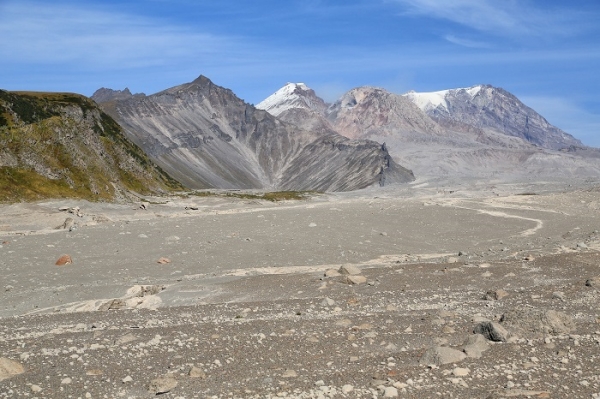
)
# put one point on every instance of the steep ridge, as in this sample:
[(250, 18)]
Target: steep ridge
[(62, 145), (491, 108), (440, 147), (205, 136)]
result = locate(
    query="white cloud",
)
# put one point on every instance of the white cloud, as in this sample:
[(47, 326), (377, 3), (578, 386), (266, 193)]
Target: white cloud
[(502, 18), (48, 33)]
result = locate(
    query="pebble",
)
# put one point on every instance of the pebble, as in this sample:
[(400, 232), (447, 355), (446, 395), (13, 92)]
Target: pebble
[(460, 372)]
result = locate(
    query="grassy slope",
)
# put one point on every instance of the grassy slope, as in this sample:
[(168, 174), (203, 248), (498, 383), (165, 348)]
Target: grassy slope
[(58, 145)]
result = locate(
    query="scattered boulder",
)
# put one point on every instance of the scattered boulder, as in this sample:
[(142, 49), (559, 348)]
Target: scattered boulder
[(356, 280), (64, 260), (162, 385), (68, 224), (475, 344), (331, 273), (538, 322), (495, 295), (492, 331), (10, 368), (349, 270), (113, 304), (439, 355)]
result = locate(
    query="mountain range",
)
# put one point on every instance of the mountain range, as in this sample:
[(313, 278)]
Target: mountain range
[(205, 136), (200, 135), (477, 132)]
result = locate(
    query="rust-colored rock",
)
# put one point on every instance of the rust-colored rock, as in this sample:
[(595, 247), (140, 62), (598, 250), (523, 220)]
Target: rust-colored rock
[(64, 260), (163, 261)]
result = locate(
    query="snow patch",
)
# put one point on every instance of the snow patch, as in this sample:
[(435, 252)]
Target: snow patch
[(289, 96), (432, 100)]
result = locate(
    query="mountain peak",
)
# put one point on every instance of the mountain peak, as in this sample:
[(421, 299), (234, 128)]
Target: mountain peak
[(292, 95)]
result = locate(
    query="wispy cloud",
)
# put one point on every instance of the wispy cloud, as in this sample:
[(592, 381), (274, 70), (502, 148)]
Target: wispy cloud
[(502, 18), (96, 38), (466, 42)]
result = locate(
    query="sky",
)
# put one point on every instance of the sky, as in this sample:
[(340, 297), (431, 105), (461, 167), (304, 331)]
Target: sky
[(546, 52)]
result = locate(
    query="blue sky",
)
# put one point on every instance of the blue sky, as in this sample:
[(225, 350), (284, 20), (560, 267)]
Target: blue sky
[(547, 52)]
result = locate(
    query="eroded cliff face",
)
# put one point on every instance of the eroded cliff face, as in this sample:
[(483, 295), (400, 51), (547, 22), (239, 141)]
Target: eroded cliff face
[(206, 137), (63, 145)]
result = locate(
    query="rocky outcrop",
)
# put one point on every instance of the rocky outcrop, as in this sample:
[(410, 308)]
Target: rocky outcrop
[(103, 95), (205, 136)]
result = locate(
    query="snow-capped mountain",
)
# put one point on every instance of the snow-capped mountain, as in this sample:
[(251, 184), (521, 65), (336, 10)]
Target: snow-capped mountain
[(291, 96), (205, 136), (491, 108), (365, 112), (478, 132), (298, 104)]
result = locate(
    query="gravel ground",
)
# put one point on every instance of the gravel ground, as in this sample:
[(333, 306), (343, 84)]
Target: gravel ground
[(248, 299)]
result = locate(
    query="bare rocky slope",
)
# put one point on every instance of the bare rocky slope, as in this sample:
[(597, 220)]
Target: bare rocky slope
[(55, 145), (205, 137), (492, 108), (485, 133)]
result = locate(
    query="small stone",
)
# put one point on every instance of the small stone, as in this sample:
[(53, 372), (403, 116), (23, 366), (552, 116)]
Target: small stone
[(36, 388), (162, 385), (593, 282), (196, 372), (581, 245), (346, 389), (64, 260), (390, 392), (163, 261), (558, 295), (312, 225), (328, 302), (495, 295), (289, 374), (127, 379), (66, 381), (10, 368), (461, 372)]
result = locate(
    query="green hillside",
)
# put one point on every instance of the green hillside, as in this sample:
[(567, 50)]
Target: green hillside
[(58, 145)]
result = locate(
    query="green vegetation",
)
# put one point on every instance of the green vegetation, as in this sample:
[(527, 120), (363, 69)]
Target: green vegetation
[(56, 151), (17, 184), (273, 196)]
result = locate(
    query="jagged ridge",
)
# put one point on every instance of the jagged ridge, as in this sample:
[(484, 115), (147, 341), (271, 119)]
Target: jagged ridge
[(205, 136)]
